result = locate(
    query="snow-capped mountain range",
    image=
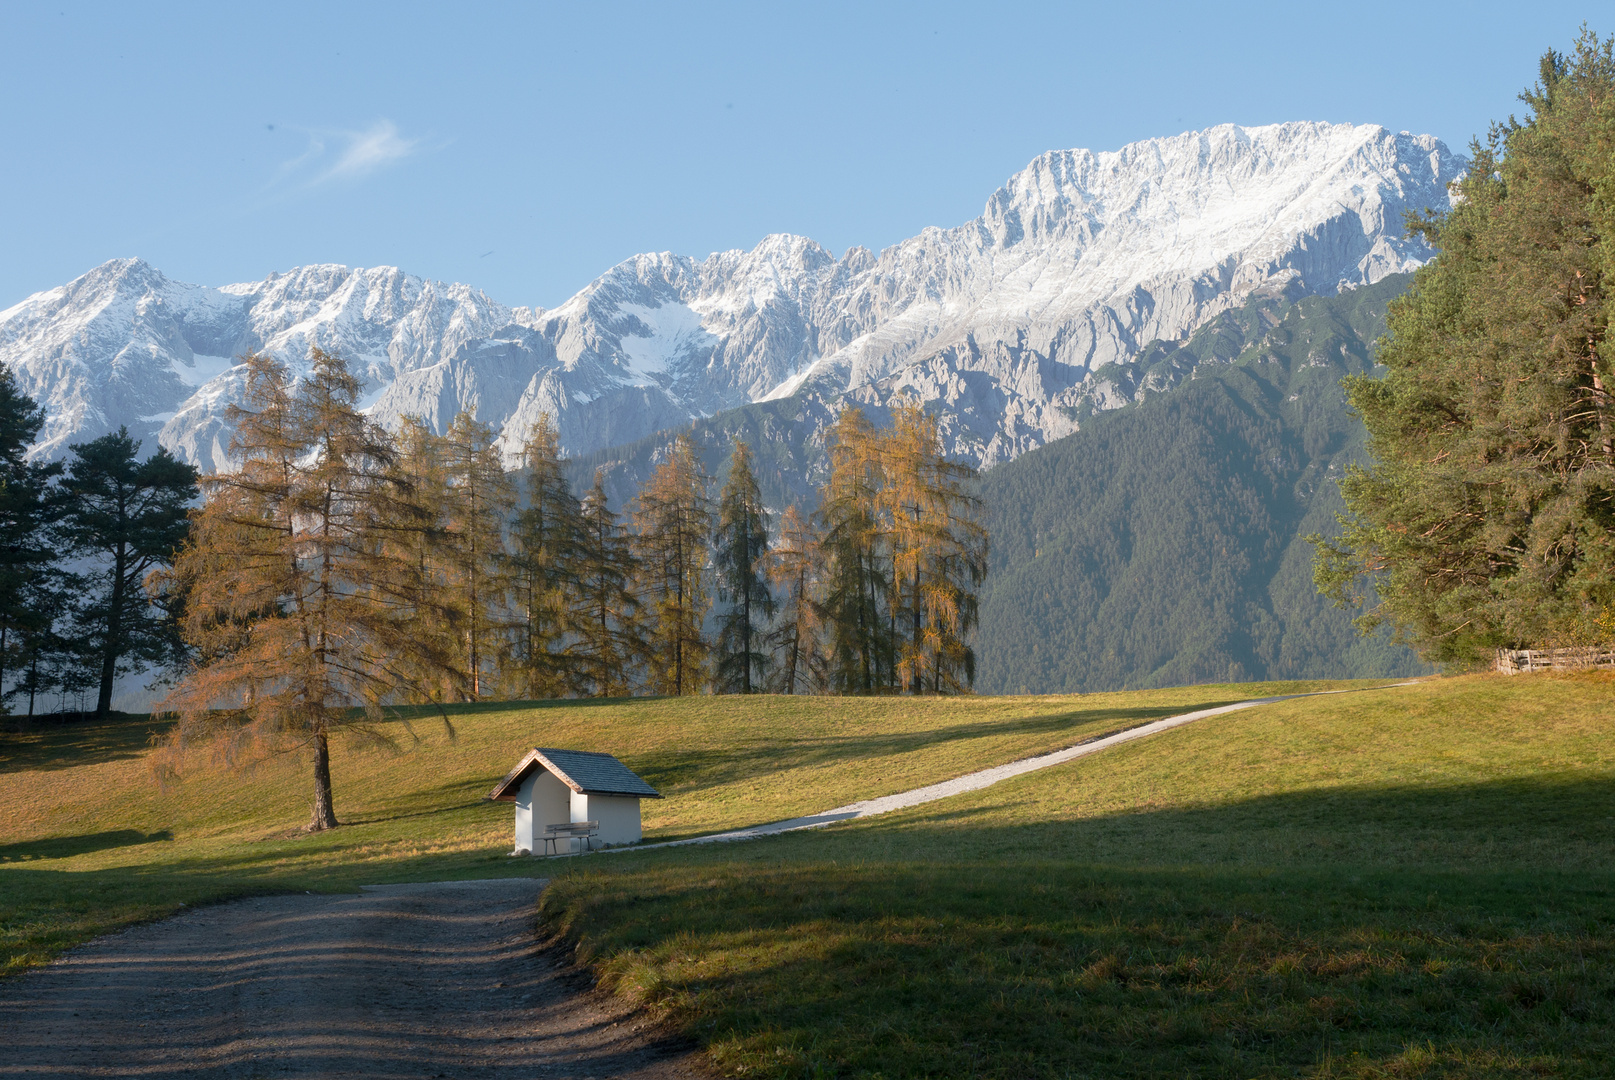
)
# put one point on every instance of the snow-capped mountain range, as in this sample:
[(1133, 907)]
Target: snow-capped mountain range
[(1006, 325)]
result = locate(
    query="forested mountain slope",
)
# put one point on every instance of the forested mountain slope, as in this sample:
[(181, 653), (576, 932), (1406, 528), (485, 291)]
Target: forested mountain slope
[(1162, 543)]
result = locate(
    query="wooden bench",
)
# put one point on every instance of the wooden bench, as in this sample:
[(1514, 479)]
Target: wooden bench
[(567, 830)]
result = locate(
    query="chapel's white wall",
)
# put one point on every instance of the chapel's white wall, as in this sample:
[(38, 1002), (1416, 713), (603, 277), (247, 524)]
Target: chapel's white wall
[(524, 816), (551, 802), (618, 816)]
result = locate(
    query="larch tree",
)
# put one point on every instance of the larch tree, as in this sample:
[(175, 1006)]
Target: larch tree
[(939, 554), (611, 646), (129, 516), (740, 554), (672, 522), (1486, 519), (795, 570), (298, 606), (857, 590), (548, 548), (478, 502), (422, 541)]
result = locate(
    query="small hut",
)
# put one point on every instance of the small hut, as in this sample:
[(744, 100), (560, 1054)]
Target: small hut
[(570, 787)]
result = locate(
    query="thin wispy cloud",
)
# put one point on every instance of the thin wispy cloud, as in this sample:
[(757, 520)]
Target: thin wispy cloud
[(334, 155), (367, 151)]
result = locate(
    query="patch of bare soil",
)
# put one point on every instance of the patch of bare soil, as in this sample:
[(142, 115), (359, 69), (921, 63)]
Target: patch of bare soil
[(444, 979)]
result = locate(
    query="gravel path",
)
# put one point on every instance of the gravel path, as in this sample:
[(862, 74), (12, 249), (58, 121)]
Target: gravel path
[(431, 980), (984, 778)]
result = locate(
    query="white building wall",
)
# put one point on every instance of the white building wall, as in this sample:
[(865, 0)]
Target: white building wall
[(524, 817), (618, 816), (540, 800)]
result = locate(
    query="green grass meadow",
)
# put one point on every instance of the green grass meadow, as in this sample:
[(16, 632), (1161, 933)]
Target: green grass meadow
[(1407, 882)]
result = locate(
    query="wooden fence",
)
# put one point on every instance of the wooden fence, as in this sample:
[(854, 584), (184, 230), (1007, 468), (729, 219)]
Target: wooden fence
[(1514, 661)]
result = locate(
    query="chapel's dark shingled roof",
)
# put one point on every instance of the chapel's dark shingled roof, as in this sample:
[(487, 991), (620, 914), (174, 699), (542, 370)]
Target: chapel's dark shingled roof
[(584, 772)]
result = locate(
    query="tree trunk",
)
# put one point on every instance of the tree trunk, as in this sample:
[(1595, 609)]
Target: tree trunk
[(324, 815), (745, 602), (109, 652), (918, 679)]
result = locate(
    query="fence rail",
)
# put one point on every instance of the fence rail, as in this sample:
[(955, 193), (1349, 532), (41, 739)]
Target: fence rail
[(1514, 661)]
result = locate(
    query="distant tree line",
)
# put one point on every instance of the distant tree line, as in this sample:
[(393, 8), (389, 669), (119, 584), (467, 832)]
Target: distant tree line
[(340, 569)]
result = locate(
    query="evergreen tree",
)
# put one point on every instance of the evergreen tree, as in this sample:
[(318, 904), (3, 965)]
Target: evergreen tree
[(1487, 519), (549, 546), (672, 520), (611, 645), (28, 515), (298, 606), (740, 553), (479, 501), (858, 582), (130, 515), (796, 572)]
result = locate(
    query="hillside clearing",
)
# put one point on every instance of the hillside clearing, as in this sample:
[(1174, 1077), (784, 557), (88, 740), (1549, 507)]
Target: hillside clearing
[(1412, 883), (90, 843)]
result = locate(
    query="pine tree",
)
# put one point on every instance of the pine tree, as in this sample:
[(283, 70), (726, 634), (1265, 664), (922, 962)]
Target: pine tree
[(672, 521), (611, 645), (1487, 518), (796, 572), (296, 603), (29, 513), (549, 546), (130, 516), (858, 568), (740, 552), (479, 501)]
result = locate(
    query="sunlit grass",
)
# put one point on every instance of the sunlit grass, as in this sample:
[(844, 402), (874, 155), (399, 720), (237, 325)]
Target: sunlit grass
[(89, 842), (1404, 883)]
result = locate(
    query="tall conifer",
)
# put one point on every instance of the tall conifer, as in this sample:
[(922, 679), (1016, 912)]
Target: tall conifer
[(796, 573), (549, 547), (478, 502), (611, 646), (672, 522), (29, 589), (857, 561), (939, 554), (130, 517), (1487, 518), (740, 554), (297, 606)]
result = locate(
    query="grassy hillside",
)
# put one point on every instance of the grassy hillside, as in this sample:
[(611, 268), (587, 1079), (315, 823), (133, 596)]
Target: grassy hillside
[(1163, 543), (1401, 883), (88, 842), (1410, 882)]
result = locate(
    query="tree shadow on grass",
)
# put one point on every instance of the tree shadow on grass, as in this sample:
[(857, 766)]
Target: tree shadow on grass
[(1259, 938), (91, 741), (61, 847)]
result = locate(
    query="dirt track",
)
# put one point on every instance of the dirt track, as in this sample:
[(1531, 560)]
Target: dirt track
[(400, 981)]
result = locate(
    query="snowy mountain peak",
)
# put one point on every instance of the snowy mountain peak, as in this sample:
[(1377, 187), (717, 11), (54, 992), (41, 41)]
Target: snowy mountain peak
[(1004, 324)]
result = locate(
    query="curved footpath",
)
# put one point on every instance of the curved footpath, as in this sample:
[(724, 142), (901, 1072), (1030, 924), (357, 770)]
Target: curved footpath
[(984, 778)]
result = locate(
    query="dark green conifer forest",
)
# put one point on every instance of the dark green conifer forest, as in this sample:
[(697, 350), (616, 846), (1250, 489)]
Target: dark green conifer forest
[(1163, 544)]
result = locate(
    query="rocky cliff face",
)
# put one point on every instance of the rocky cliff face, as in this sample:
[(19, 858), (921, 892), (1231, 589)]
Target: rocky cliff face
[(1010, 326)]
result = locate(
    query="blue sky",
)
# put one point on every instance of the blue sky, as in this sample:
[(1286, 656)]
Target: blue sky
[(527, 148)]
